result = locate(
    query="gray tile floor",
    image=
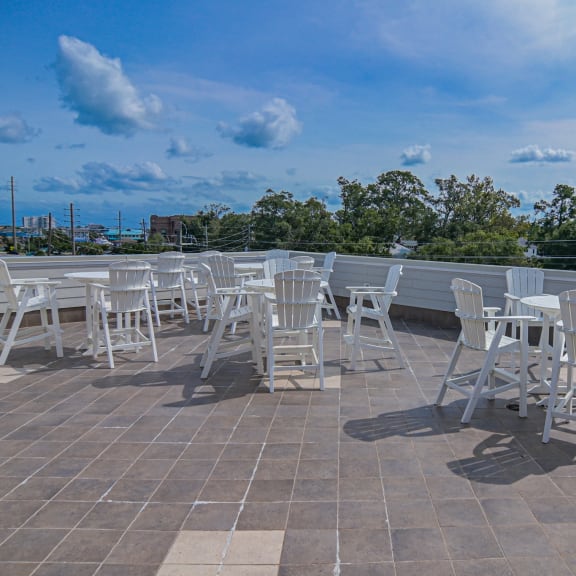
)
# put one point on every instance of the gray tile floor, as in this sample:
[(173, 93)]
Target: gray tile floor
[(147, 470)]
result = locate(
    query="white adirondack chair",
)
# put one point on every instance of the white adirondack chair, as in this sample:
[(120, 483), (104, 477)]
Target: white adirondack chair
[(484, 332), (521, 282), (169, 286), (293, 325), (562, 406), (225, 276), (197, 282), (25, 296), (127, 302), (226, 312), (276, 253), (380, 298), (304, 262), (274, 265), (325, 271)]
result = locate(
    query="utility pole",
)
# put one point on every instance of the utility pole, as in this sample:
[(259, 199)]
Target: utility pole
[(206, 235), (144, 232), (14, 245), (49, 233), (72, 229)]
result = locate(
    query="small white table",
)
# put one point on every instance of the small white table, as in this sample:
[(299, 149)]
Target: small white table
[(549, 305)]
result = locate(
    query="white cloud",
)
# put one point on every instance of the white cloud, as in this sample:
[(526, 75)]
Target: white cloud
[(272, 127), (181, 148), (416, 155), (534, 153), (15, 130), (97, 178), (96, 89), (485, 34)]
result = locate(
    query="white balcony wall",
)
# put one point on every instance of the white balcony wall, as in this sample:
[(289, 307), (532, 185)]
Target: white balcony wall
[(423, 284)]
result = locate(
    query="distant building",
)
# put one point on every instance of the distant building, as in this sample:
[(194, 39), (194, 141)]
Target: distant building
[(128, 234), (37, 223), (168, 226)]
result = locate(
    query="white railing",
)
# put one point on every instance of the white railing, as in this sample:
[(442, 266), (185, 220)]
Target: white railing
[(423, 284)]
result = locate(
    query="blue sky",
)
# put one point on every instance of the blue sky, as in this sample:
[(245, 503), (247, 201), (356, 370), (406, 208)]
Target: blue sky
[(143, 107)]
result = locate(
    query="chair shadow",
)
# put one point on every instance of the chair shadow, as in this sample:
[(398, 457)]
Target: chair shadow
[(503, 457), (232, 381)]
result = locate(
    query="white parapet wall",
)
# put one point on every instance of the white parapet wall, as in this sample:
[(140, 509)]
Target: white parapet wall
[(424, 285)]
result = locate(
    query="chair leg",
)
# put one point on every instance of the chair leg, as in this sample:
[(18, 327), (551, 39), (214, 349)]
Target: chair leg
[(320, 337), (356, 326), (393, 340), (151, 335), (553, 397), (184, 304), (155, 305), (45, 327), (57, 330), (448, 373), (9, 342), (484, 374), (331, 302)]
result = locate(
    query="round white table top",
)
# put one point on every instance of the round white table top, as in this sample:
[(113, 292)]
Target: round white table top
[(91, 276), (267, 284), (547, 303), (248, 266)]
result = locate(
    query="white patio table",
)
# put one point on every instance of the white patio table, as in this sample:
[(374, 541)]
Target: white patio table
[(549, 305)]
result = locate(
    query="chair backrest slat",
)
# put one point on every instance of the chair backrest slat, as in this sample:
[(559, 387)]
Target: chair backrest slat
[(470, 310), (274, 265), (170, 269), (129, 282), (9, 289), (568, 315), (297, 302), (223, 271), (523, 282)]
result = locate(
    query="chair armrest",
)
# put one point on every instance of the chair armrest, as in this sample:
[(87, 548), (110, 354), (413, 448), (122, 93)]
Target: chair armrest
[(512, 297), (36, 282), (367, 290)]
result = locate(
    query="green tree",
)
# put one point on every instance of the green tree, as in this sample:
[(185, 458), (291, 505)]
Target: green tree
[(475, 248), (558, 211), (474, 205), (270, 222), (396, 206)]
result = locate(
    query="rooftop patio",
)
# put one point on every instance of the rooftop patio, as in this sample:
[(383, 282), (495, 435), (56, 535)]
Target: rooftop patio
[(147, 470)]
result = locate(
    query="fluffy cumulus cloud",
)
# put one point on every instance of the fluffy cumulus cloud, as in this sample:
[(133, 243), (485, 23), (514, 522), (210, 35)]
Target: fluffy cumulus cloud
[(15, 130), (100, 177), (416, 155), (533, 153), (181, 148), (272, 127), (96, 89)]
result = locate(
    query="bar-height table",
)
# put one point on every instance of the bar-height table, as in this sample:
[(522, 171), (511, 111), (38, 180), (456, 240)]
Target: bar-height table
[(549, 305)]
